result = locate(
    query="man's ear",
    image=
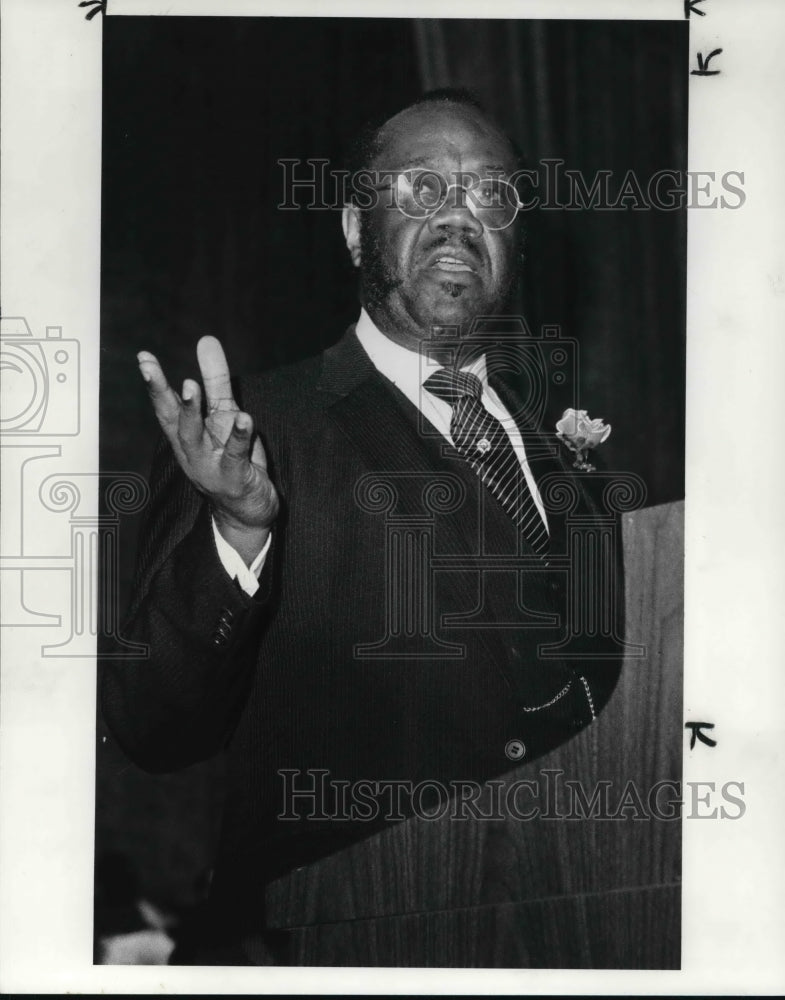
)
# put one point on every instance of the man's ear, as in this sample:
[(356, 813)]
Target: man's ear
[(350, 219)]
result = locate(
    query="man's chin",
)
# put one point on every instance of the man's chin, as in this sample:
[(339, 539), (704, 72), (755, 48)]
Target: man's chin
[(453, 303)]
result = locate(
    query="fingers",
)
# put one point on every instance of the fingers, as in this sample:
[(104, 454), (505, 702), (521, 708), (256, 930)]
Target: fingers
[(166, 402), (238, 443), (214, 462), (191, 425), (215, 374), (241, 440)]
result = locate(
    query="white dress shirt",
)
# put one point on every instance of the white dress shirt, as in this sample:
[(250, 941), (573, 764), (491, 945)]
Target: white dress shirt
[(234, 564), (407, 370)]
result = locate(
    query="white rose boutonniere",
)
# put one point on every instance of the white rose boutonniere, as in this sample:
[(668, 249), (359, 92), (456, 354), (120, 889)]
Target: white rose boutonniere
[(580, 433)]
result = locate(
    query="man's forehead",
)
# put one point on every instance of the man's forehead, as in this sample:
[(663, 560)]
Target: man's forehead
[(443, 136)]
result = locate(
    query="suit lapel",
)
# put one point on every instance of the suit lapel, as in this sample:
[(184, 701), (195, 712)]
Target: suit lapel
[(547, 458), (364, 404)]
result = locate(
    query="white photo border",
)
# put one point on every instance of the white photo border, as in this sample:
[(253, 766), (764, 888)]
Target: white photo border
[(733, 871)]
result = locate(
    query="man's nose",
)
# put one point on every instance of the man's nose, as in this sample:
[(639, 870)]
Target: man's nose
[(455, 214)]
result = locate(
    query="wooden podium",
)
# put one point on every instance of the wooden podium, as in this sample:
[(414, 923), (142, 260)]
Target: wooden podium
[(590, 891)]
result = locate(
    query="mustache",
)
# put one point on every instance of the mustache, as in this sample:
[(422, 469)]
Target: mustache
[(463, 240)]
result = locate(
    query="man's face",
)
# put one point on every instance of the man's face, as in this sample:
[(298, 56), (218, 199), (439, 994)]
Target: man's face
[(444, 270)]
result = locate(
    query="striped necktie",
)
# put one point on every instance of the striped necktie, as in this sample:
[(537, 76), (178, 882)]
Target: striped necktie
[(483, 442)]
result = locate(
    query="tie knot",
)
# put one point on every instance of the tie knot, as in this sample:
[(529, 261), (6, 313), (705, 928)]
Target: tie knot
[(452, 386)]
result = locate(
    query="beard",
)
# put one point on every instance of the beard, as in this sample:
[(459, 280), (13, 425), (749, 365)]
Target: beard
[(377, 278)]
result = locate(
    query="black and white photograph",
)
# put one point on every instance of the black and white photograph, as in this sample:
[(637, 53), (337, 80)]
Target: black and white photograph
[(397, 591), (400, 612)]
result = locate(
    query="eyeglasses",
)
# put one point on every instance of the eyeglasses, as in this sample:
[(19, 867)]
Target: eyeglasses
[(419, 194)]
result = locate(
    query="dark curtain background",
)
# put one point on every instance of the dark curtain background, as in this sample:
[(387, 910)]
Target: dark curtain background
[(197, 111), (603, 95)]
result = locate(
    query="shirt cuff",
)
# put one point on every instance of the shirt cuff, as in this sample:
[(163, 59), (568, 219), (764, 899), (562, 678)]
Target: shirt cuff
[(234, 564)]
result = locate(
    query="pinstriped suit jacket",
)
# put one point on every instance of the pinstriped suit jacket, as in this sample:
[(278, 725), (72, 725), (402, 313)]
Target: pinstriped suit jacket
[(323, 670)]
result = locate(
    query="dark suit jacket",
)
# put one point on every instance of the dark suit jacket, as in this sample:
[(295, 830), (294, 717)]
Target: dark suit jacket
[(325, 668)]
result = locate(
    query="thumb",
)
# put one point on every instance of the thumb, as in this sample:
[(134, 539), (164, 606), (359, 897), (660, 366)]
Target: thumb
[(239, 441), (258, 456)]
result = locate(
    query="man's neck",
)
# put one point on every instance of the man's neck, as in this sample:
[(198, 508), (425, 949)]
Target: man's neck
[(437, 343)]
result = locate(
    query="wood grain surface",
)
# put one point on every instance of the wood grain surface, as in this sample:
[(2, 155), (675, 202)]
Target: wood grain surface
[(584, 892)]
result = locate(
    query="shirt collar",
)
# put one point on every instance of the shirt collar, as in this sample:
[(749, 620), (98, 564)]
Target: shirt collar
[(405, 368)]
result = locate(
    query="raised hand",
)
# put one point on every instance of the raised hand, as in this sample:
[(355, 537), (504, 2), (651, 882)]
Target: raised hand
[(219, 452)]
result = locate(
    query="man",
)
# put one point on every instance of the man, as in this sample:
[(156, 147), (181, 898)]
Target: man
[(314, 582)]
